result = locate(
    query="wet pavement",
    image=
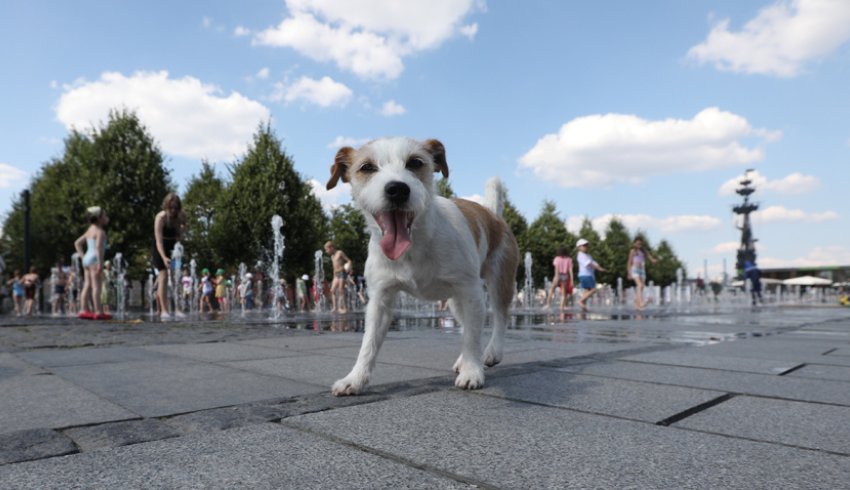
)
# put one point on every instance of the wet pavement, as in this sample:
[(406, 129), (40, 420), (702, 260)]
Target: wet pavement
[(713, 398)]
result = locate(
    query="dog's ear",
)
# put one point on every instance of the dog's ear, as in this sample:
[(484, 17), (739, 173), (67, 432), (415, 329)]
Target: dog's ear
[(438, 154), (339, 170)]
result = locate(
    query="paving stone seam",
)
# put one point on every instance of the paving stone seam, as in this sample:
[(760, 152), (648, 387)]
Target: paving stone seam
[(466, 480), (736, 393), (763, 441), (709, 368), (795, 368), (695, 410)]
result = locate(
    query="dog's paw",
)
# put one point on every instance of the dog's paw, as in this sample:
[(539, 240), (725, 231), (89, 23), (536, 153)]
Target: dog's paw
[(347, 386), (492, 357), (458, 364), (470, 378)]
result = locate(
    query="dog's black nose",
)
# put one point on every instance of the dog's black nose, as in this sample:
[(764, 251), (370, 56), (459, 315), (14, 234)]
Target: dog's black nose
[(397, 192)]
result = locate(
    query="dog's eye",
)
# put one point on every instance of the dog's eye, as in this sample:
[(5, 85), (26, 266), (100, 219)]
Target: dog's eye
[(414, 163), (368, 168)]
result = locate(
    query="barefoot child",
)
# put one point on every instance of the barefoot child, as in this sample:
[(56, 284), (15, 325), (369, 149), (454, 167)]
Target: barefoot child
[(95, 240), (587, 268)]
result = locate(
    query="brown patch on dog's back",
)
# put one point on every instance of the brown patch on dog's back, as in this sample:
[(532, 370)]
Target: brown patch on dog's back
[(478, 217)]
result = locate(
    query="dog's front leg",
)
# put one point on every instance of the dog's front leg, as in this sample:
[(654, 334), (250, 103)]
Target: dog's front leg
[(379, 314), (470, 311)]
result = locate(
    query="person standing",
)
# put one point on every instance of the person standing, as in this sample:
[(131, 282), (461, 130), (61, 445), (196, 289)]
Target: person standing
[(301, 292), (587, 268), (636, 269), (59, 291), (168, 227), (17, 285), (95, 240), (563, 264), (753, 274), (339, 261)]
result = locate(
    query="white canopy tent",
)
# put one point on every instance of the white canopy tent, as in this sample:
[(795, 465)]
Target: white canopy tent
[(807, 281)]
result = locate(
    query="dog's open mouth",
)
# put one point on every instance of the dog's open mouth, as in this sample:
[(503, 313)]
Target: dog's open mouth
[(395, 225)]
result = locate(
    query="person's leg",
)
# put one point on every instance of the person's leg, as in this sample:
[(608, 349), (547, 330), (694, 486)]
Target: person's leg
[(162, 288), (343, 307), (638, 292), (334, 287), (97, 290), (85, 293)]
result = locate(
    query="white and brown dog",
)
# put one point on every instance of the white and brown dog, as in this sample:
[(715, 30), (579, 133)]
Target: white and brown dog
[(428, 246)]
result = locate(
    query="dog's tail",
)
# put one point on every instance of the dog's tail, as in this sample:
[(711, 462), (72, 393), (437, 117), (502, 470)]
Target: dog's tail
[(494, 196)]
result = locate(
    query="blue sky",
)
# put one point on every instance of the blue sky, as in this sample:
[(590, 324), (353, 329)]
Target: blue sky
[(644, 110)]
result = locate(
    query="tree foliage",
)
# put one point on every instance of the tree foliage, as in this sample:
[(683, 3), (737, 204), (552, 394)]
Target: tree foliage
[(201, 204), (117, 166), (264, 183), (444, 188), (542, 239), (614, 252)]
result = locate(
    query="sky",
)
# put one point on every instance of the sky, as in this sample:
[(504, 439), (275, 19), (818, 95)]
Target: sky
[(648, 111)]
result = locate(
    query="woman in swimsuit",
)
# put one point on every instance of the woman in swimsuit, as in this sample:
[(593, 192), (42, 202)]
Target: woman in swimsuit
[(93, 258), (168, 229), (636, 269)]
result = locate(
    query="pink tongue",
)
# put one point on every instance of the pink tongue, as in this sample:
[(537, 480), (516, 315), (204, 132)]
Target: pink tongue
[(396, 239)]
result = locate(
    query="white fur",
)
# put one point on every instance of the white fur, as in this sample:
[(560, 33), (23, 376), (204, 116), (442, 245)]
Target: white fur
[(442, 262)]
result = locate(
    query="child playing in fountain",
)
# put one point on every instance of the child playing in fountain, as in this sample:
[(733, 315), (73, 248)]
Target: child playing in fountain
[(95, 240), (59, 288), (587, 268), (339, 261), (186, 287), (17, 286), (563, 264), (301, 292), (207, 290), (246, 292), (221, 291)]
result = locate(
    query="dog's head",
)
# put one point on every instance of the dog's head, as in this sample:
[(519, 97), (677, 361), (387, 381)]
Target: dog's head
[(392, 180)]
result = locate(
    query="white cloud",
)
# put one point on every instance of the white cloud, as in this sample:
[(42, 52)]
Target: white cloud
[(341, 141), (795, 183), (10, 176), (263, 73), (605, 149), (368, 37), (392, 108), (469, 31), (187, 117), (821, 256), (634, 222), (726, 247), (331, 198), (206, 22), (324, 92), (781, 214), (241, 31), (779, 40)]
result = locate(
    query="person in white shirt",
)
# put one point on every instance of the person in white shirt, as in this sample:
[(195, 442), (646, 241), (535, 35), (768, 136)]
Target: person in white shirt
[(587, 268)]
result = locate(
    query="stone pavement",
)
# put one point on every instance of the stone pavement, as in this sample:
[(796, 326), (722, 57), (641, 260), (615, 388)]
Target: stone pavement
[(723, 399)]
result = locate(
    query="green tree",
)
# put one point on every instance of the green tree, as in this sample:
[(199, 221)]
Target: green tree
[(614, 252), (519, 227), (117, 166), (348, 230), (264, 183), (200, 203), (445, 189), (542, 239), (663, 273)]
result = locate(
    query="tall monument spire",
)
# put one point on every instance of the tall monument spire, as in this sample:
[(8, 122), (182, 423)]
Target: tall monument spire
[(747, 249)]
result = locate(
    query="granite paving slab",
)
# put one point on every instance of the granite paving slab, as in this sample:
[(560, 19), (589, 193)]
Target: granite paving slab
[(627, 399), (822, 391), (90, 355), (809, 425), (694, 357), (26, 445), (117, 434), (818, 371), (155, 389), (267, 456), (47, 401), (308, 342), (510, 444), (221, 351), (325, 370), (762, 349), (11, 365)]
